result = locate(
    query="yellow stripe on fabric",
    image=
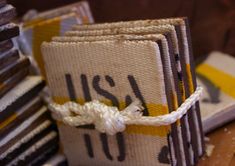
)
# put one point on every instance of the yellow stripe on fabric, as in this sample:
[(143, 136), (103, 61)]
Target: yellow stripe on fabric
[(153, 109), (47, 30), (219, 78), (182, 88), (8, 121), (190, 79), (175, 101)]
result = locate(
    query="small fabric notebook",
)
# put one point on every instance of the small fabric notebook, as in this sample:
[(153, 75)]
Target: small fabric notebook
[(116, 65), (216, 75)]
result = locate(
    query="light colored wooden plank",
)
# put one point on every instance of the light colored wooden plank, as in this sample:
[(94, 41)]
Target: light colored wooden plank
[(224, 141)]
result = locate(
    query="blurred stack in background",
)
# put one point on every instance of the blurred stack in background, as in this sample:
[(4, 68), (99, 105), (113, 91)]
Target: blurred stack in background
[(39, 27), (216, 75), (28, 135)]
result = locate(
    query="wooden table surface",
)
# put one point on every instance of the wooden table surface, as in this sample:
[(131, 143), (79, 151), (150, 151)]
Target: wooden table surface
[(223, 140)]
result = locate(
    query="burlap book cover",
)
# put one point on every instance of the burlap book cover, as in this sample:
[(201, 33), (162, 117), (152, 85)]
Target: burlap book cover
[(183, 34), (115, 72), (189, 139), (184, 55), (170, 71)]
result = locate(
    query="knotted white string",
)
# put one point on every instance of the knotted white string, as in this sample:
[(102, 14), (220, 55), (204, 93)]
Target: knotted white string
[(110, 120)]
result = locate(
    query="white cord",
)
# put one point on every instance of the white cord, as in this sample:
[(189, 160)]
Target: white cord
[(110, 120)]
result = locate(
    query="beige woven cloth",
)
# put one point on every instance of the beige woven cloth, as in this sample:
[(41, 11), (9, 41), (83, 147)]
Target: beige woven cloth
[(116, 68), (138, 23), (167, 66), (111, 51), (180, 42)]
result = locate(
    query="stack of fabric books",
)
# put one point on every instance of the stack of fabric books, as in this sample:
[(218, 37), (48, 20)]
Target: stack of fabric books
[(28, 135), (117, 63)]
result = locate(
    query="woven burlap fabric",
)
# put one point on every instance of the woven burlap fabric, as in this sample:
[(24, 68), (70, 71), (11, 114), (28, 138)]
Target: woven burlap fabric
[(103, 60), (119, 30), (167, 67), (137, 27), (117, 61), (132, 24), (162, 29), (105, 34), (185, 55), (140, 149), (91, 35), (180, 22)]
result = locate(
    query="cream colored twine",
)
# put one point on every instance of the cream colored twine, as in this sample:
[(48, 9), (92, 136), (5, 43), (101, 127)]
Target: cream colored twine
[(110, 120)]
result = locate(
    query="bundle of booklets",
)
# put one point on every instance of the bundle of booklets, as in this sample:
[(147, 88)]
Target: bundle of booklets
[(28, 135), (117, 63)]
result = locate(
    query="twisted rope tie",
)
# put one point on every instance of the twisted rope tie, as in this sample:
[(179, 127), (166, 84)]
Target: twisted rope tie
[(110, 120)]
